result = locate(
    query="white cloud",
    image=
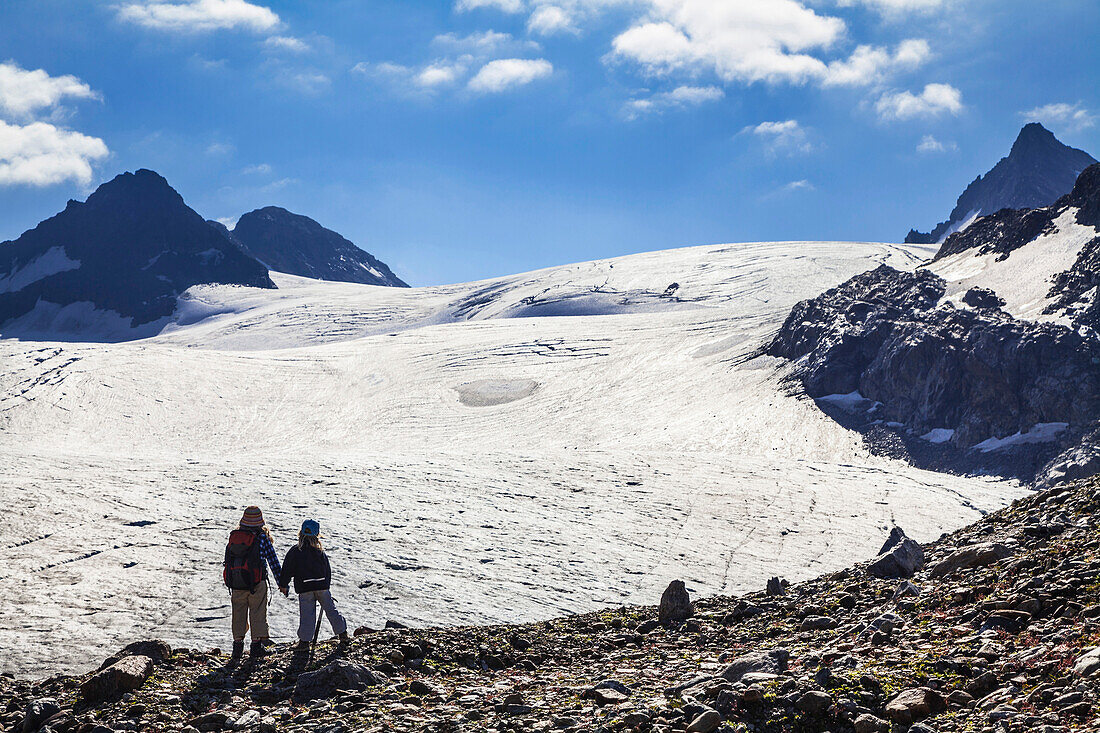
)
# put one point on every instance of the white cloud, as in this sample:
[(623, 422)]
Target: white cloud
[(441, 74), (928, 144), (199, 16), (933, 101), (547, 20), (896, 6), (263, 169), (502, 74), (40, 154), (482, 44), (289, 44), (229, 222), (507, 6), (1073, 117), (680, 97), (24, 93), (787, 136), (305, 82), (802, 185), (871, 64), (220, 149), (746, 41)]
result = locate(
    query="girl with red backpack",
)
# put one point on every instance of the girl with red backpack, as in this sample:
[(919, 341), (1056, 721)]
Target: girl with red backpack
[(248, 556)]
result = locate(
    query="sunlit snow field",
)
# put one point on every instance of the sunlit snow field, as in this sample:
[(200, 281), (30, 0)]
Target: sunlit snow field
[(505, 450)]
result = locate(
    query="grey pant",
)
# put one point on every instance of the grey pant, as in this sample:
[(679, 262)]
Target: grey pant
[(307, 613)]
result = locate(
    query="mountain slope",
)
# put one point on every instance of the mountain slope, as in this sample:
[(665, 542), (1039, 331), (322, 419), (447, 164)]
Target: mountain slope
[(297, 245), (1038, 170), (989, 352), (124, 255)]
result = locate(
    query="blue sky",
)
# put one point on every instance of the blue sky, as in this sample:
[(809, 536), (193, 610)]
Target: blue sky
[(462, 139)]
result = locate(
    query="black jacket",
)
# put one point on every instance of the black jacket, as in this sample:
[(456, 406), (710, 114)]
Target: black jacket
[(309, 568)]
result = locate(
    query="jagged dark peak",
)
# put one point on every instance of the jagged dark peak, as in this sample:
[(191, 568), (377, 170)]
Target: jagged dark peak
[(1038, 170), (298, 245), (129, 251), (1086, 196)]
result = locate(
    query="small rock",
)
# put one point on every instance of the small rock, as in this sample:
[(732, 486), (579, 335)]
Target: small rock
[(914, 704), (706, 722), (868, 723), (770, 662), (814, 702), (817, 623), (1088, 664), (675, 604), (249, 719)]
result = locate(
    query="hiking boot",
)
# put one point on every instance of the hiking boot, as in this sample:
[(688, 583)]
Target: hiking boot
[(238, 650), (343, 637), (257, 649), (301, 647), (267, 642)]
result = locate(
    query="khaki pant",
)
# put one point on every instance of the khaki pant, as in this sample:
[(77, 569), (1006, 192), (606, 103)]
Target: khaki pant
[(250, 608)]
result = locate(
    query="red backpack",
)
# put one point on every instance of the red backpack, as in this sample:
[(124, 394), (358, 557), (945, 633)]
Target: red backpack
[(244, 567)]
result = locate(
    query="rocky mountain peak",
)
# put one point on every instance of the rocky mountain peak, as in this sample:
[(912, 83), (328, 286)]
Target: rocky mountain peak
[(297, 245), (1038, 170)]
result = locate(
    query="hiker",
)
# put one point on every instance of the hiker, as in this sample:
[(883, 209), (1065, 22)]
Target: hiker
[(248, 556), (308, 565)]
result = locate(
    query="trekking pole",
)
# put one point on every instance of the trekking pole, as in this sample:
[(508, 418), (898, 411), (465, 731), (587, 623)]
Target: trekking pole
[(316, 630)]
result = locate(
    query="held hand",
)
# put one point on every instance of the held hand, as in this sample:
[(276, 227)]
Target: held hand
[(285, 591)]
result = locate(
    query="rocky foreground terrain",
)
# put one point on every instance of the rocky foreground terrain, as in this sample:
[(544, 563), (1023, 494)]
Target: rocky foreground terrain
[(991, 628)]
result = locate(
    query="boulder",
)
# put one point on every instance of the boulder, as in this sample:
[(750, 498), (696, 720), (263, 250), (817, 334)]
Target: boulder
[(817, 623), (155, 649), (972, 556), (776, 587), (326, 681), (675, 604), (773, 661), (212, 721), (38, 712), (900, 557), (914, 704), (125, 675)]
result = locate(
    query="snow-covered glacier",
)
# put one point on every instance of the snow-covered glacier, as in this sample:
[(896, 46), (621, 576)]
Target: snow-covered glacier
[(510, 449)]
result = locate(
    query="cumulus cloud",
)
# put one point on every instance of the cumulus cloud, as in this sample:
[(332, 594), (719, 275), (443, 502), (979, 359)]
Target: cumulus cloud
[(1073, 117), (40, 154), (871, 64), (933, 101), (501, 75), (750, 40), (441, 74), (24, 93), (547, 20), (200, 16), (678, 98), (507, 6), (787, 137), (929, 144)]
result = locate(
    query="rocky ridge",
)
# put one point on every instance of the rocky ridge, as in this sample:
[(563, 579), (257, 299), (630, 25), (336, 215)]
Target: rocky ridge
[(994, 630), (962, 384)]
